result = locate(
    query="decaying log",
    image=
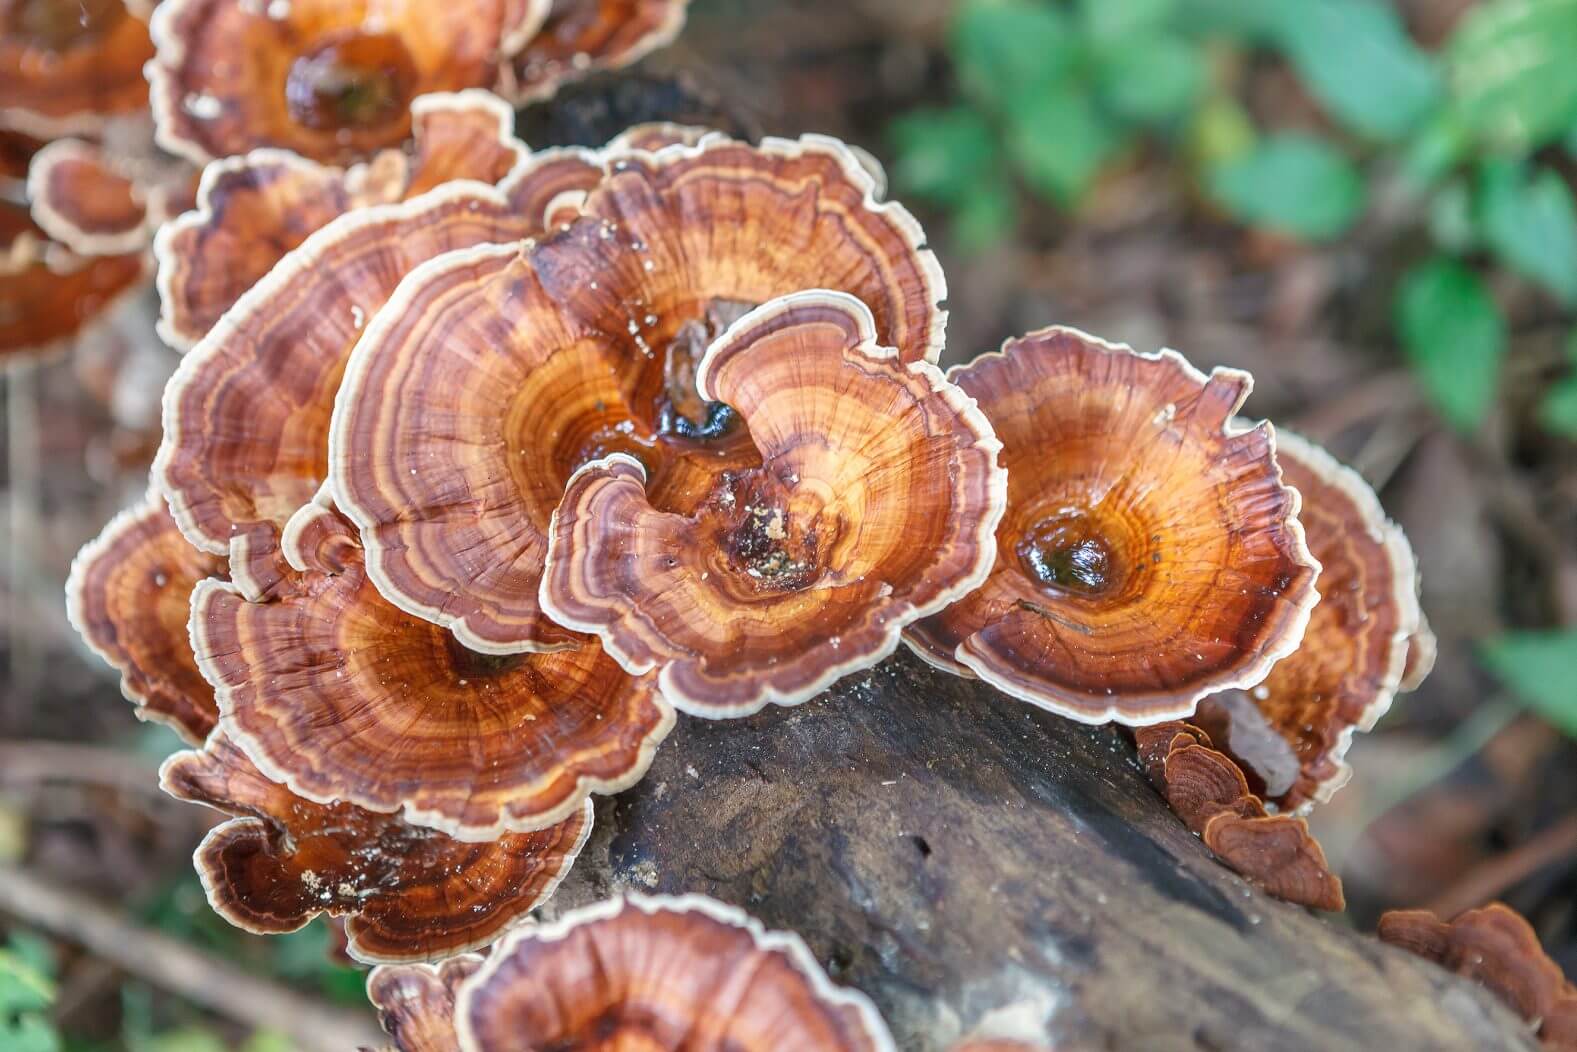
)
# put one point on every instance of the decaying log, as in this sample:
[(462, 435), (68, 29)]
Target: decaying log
[(973, 863)]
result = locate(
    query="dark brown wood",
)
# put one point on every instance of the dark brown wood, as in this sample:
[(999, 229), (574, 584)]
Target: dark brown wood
[(969, 861)]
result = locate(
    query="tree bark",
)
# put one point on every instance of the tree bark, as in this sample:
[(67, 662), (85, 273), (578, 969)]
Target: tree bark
[(978, 866)]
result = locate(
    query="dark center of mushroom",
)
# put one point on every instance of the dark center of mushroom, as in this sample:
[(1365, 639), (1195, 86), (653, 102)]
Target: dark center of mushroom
[(762, 534), (472, 665), (58, 24), (1068, 552), (681, 411), (352, 81)]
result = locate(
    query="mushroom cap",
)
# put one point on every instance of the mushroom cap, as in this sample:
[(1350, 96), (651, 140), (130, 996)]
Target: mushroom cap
[(342, 697), (1298, 723), (246, 416), (661, 972), (1150, 554), (406, 892), (70, 67), (48, 294), (80, 199), (329, 79), (1492, 945), (129, 597), (584, 344), (581, 37), (875, 503), (1208, 791), (253, 209), (416, 1002)]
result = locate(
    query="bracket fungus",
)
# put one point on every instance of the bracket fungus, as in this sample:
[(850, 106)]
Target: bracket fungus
[(1150, 554), (253, 209), (406, 892), (498, 372), (1207, 790), (129, 597), (416, 1002), (342, 697), (1290, 732), (875, 503), (661, 972), (71, 67), (1494, 945), (331, 80), (586, 36)]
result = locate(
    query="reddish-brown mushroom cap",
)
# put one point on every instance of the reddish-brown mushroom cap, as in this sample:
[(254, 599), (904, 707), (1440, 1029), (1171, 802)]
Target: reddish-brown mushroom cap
[(1290, 732), (586, 36), (253, 209), (661, 972), (49, 295), (406, 892), (465, 410), (70, 67), (1150, 554), (1494, 946), (342, 697), (332, 80), (81, 200), (246, 417), (875, 503), (129, 596), (416, 1002), (1207, 790)]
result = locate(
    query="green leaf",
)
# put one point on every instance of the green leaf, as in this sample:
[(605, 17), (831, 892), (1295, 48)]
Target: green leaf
[(1452, 224), (1152, 79), (1454, 337), (943, 155), (1357, 59), (1558, 410), (1007, 49), (25, 994), (1531, 225), (1512, 73), (1059, 142), (1291, 183), (1541, 669), (1116, 22), (986, 217), (1252, 20), (1437, 147)]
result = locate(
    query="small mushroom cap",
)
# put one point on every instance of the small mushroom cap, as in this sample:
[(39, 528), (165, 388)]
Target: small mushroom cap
[(70, 67), (416, 1002), (1350, 663), (332, 80), (1208, 791), (1492, 945), (581, 37), (80, 199), (465, 410), (129, 596), (1150, 554), (49, 295), (253, 209), (661, 972), (407, 893), (342, 697), (246, 416), (875, 503)]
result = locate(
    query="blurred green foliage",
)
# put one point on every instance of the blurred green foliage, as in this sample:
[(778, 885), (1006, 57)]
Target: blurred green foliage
[(1541, 669), (1479, 135)]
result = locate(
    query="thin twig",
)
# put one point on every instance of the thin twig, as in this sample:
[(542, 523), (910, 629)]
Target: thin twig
[(199, 977), (1491, 878), (25, 762)]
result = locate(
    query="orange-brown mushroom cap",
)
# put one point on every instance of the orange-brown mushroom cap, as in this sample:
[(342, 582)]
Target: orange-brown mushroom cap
[(69, 67), (406, 892), (1150, 554), (332, 80), (1492, 945), (1290, 732), (80, 199), (129, 596), (342, 697), (48, 294), (580, 37), (416, 1002), (875, 503), (465, 410), (253, 209), (661, 972), (1208, 791)]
